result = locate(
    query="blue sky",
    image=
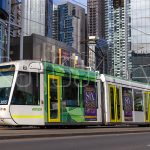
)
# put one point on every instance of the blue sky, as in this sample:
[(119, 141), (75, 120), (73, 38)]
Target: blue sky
[(80, 1)]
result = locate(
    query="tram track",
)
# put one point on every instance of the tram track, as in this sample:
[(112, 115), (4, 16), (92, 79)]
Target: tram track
[(24, 133)]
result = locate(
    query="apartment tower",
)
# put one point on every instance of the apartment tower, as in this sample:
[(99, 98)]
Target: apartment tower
[(69, 25)]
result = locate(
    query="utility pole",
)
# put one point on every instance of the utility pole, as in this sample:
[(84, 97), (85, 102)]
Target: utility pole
[(22, 27), (126, 39), (99, 55), (8, 30)]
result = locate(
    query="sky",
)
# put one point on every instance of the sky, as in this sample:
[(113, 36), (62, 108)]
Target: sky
[(84, 2)]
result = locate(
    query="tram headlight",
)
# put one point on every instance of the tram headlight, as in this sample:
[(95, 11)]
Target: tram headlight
[(2, 109), (2, 120)]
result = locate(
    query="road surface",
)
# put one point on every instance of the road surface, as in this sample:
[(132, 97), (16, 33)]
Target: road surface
[(137, 141)]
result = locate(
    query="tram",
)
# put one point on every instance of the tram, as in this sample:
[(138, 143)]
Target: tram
[(43, 94)]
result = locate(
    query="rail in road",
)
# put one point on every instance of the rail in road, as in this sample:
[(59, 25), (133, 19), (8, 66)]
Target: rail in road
[(17, 133)]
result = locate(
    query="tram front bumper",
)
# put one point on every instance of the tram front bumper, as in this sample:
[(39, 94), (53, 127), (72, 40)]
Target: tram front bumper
[(5, 117), (6, 121)]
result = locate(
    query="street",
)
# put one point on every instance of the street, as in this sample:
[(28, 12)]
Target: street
[(138, 141)]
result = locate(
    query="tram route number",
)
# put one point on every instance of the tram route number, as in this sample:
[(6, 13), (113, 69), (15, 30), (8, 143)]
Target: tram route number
[(3, 102), (36, 109)]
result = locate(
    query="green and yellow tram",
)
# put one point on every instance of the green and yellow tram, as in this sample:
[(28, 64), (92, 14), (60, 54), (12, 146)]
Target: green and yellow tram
[(43, 94)]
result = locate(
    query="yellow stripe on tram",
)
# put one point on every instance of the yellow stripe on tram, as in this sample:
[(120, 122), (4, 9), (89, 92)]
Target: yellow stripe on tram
[(27, 117), (88, 117)]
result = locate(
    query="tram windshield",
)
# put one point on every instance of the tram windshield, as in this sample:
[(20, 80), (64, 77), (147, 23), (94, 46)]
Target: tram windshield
[(6, 79), (26, 90)]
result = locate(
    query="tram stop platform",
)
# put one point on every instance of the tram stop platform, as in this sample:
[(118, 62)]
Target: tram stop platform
[(21, 133)]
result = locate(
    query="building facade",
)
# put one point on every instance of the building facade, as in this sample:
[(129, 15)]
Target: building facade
[(95, 17), (4, 10), (96, 24), (126, 30), (16, 19), (38, 17), (48, 18), (69, 25), (141, 67), (140, 40), (37, 47), (118, 36)]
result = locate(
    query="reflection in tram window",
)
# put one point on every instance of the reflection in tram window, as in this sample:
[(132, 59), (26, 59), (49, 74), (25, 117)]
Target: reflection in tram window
[(26, 90), (138, 100), (53, 99), (71, 92), (146, 105), (6, 79), (112, 103), (118, 103)]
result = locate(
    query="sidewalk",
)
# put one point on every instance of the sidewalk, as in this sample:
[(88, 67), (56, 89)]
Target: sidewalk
[(14, 133)]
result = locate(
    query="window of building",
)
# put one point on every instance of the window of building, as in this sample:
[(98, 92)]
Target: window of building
[(70, 92), (27, 91)]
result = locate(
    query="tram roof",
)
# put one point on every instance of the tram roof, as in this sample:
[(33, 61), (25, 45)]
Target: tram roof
[(69, 71), (55, 68), (117, 80)]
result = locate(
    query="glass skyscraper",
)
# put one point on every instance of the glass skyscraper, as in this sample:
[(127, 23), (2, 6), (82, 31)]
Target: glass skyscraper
[(69, 25), (140, 39), (127, 31), (38, 17), (118, 35)]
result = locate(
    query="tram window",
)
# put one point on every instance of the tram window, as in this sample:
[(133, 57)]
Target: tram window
[(26, 90), (138, 100), (90, 94), (70, 92), (6, 79)]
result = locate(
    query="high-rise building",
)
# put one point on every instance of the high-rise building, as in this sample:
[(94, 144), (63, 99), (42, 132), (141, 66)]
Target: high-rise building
[(127, 32), (48, 18), (118, 35), (16, 19), (95, 14), (38, 17), (95, 21), (69, 25)]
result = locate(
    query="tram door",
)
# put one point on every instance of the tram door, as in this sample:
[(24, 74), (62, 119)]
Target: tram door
[(147, 106), (115, 103), (53, 98)]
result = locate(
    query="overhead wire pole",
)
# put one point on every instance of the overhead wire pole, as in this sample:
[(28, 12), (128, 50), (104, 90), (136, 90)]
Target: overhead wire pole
[(8, 30), (101, 56)]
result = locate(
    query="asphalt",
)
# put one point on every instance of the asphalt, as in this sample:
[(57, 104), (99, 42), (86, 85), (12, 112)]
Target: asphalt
[(22, 133)]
